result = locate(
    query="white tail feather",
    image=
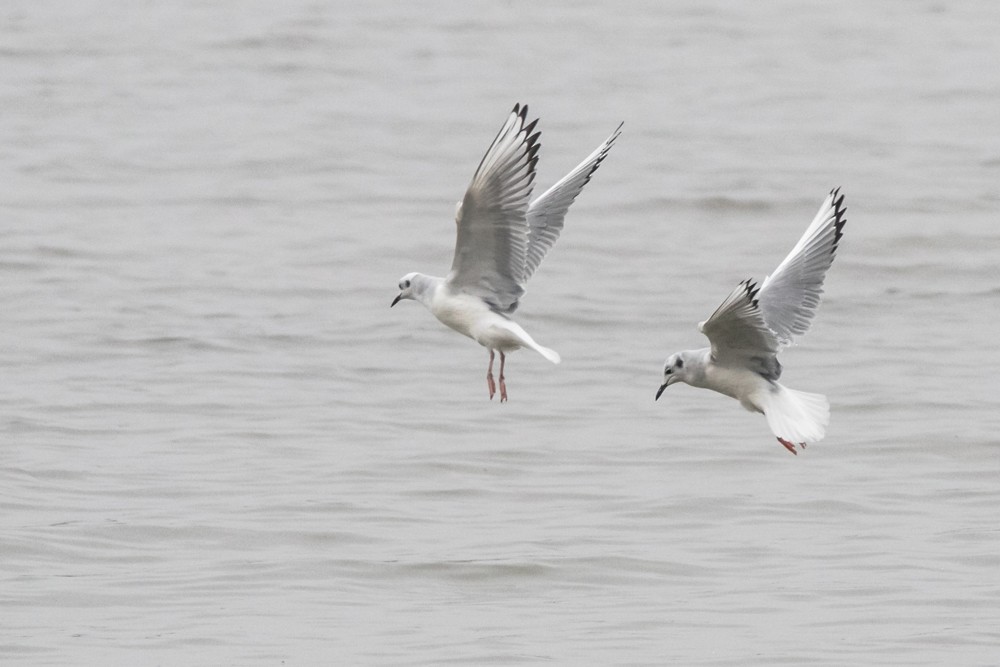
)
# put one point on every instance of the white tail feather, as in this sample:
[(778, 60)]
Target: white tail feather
[(796, 416), (525, 340), (551, 355)]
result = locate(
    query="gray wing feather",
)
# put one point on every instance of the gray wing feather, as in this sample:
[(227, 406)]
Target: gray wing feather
[(790, 296), (547, 213), (492, 243), (739, 335)]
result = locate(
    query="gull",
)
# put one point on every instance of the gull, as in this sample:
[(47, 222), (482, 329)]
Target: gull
[(502, 238), (753, 324)]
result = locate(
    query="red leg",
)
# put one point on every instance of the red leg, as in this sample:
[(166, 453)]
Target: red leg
[(489, 377), (788, 445), (503, 385)]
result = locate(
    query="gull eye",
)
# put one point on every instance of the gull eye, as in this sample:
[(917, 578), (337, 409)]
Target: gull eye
[(405, 284)]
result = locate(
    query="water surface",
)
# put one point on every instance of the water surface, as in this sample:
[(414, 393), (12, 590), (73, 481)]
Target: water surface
[(220, 446)]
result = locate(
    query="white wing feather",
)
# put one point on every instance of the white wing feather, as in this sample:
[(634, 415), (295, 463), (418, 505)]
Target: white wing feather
[(752, 325), (492, 241), (547, 213), (739, 335), (790, 296)]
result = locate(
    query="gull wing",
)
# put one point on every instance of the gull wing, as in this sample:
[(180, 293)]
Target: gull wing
[(492, 241), (546, 214), (739, 335), (790, 296)]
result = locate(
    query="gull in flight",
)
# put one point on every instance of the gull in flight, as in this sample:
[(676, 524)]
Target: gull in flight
[(753, 324), (502, 238)]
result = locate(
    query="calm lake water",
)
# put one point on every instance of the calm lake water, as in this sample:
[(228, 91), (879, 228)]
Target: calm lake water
[(221, 447)]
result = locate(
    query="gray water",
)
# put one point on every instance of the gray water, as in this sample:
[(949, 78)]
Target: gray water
[(220, 445)]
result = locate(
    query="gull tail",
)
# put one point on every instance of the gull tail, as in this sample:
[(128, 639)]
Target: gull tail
[(549, 354), (525, 340), (795, 417)]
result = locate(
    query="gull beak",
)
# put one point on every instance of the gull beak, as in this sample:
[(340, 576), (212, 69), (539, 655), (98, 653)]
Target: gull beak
[(396, 300), (660, 390)]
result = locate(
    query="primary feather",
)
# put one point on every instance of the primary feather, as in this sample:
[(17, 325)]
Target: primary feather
[(789, 297), (492, 240)]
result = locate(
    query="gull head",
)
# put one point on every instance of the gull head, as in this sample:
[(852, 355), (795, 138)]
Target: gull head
[(673, 371), (406, 288)]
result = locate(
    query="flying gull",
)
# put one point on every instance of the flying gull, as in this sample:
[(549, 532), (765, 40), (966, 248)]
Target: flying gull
[(502, 238), (753, 324)]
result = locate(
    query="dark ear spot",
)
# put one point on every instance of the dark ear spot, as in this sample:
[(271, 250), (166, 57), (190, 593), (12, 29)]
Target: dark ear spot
[(680, 363)]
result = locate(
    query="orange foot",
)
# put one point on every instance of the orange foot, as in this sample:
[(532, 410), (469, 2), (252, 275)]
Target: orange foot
[(790, 446)]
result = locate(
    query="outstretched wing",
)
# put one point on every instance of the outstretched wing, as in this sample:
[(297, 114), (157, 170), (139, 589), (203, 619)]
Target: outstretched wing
[(790, 296), (492, 241), (546, 214), (739, 335)]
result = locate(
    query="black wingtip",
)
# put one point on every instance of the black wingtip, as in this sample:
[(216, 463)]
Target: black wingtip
[(608, 143), (530, 139), (751, 289), (611, 140), (840, 216), (614, 135), (533, 143), (532, 165)]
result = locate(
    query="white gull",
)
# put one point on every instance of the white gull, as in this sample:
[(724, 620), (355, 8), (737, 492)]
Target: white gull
[(502, 238), (752, 325)]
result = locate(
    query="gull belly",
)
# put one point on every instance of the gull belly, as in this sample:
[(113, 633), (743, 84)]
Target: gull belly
[(737, 382)]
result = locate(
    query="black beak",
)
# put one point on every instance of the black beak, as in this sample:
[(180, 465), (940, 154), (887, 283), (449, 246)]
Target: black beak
[(396, 300), (660, 391)]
